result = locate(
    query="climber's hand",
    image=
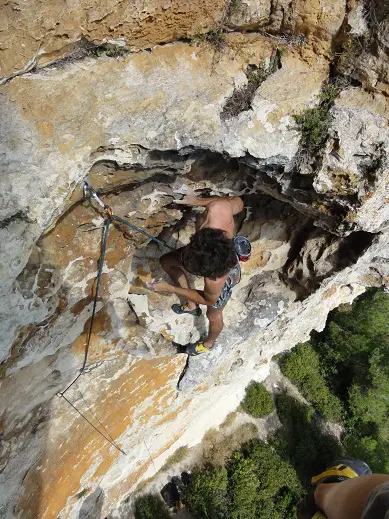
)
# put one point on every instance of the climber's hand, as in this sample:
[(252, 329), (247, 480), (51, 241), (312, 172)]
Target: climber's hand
[(161, 286), (189, 199)]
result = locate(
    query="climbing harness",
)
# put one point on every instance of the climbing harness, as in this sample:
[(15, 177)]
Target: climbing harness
[(90, 193)]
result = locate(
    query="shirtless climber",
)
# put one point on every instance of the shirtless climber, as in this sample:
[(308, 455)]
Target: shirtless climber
[(210, 254)]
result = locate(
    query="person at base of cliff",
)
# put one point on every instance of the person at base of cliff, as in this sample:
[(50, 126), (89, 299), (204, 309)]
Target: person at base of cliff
[(210, 254), (347, 490)]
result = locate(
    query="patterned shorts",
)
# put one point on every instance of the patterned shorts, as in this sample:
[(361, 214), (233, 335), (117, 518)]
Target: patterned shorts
[(225, 295)]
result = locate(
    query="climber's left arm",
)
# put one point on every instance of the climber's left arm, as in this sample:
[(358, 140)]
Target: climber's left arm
[(208, 296)]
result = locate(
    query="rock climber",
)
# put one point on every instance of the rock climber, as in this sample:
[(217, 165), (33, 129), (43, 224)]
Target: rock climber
[(210, 254)]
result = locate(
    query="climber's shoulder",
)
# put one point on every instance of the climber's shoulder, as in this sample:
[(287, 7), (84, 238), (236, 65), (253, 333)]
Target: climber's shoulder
[(227, 206)]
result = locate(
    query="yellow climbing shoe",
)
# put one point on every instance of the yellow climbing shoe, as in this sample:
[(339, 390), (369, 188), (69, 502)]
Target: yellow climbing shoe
[(196, 349)]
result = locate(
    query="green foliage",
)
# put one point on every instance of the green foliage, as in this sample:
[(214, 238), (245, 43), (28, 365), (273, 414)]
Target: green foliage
[(328, 94), (207, 493), (257, 74), (257, 402), (256, 482), (243, 487), (314, 123), (279, 488), (350, 359), (150, 506), (302, 367), (82, 493), (111, 51), (216, 38), (303, 440)]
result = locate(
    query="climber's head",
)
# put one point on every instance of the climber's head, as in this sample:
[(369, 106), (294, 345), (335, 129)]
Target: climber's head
[(210, 253)]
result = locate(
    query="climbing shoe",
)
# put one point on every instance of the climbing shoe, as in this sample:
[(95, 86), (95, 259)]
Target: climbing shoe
[(196, 349), (343, 468), (183, 309)]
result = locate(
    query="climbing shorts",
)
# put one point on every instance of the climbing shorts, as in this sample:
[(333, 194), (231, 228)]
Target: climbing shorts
[(225, 295)]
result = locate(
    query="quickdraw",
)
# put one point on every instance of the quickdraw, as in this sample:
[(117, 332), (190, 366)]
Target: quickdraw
[(90, 193)]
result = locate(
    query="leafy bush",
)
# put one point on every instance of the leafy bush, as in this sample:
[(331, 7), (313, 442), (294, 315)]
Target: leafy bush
[(207, 493), (350, 359), (243, 487), (150, 506), (314, 123), (302, 367), (256, 482), (257, 402), (279, 488), (302, 439)]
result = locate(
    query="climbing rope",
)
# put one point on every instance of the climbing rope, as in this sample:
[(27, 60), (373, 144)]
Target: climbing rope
[(89, 193)]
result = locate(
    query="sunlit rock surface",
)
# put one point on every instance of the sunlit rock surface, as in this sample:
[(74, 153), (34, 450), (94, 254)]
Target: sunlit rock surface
[(145, 128)]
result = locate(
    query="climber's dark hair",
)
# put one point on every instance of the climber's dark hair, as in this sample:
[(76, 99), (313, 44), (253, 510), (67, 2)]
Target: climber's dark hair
[(210, 253)]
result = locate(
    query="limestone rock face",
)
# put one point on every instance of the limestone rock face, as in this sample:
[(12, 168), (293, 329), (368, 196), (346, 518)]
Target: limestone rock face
[(145, 128), (318, 21), (346, 192), (34, 33), (356, 161), (366, 48)]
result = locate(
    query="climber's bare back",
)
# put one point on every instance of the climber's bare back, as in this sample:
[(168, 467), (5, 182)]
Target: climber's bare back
[(219, 214)]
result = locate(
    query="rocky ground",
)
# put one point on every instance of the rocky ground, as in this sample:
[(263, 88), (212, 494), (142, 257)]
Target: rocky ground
[(137, 100)]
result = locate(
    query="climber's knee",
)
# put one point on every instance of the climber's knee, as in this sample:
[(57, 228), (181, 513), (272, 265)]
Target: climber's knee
[(215, 315), (169, 261)]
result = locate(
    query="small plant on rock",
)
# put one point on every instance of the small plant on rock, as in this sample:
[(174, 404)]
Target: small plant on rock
[(111, 51), (257, 402), (314, 123), (241, 98), (216, 38)]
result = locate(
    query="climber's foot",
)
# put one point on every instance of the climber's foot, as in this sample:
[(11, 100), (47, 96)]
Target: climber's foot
[(197, 348), (342, 468), (184, 309)]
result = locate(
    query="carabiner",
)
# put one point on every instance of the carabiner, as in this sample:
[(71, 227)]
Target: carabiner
[(93, 194)]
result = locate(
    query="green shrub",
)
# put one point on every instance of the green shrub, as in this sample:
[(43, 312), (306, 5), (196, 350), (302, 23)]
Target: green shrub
[(243, 487), (257, 402), (256, 482), (350, 359), (207, 493), (314, 123), (302, 367), (329, 92), (150, 506), (302, 439), (274, 473)]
